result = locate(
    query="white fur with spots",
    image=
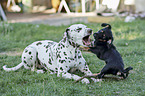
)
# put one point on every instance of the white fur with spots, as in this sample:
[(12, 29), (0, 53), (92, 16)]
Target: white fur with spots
[(57, 57)]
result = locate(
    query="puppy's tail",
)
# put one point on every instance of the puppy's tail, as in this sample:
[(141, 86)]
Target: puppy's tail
[(128, 69), (106, 25)]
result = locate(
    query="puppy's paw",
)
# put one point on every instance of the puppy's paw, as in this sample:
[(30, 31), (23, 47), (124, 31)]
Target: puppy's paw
[(85, 81)]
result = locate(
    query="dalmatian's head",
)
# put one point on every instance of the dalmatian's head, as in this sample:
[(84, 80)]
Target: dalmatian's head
[(79, 35)]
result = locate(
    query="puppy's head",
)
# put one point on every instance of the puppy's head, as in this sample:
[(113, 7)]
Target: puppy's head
[(104, 36)]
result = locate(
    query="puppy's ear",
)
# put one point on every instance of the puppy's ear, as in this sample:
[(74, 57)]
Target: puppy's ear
[(106, 25), (95, 34)]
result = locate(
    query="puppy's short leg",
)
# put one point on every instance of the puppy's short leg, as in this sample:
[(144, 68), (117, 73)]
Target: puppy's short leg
[(103, 72), (122, 75)]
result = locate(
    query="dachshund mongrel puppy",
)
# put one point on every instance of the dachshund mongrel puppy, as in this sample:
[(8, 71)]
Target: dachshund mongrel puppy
[(105, 50)]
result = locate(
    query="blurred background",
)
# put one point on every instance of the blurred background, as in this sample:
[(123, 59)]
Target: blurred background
[(76, 10)]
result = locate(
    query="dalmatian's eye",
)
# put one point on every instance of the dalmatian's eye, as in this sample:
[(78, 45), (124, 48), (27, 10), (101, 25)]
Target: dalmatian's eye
[(79, 29)]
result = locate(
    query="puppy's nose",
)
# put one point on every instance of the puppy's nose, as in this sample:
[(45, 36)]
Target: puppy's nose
[(90, 31)]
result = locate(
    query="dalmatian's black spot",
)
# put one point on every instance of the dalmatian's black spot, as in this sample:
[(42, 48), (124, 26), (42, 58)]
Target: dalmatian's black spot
[(80, 62), (56, 68), (24, 57), (47, 46), (26, 51), (51, 58), (61, 68), (75, 57), (49, 54), (86, 69), (69, 42), (59, 52), (79, 29), (51, 70), (37, 54), (73, 43), (65, 53), (79, 57), (60, 47), (70, 52), (30, 53), (65, 57), (39, 43), (78, 51), (75, 51), (46, 50), (66, 66), (35, 62), (49, 61), (31, 58), (69, 61), (61, 61), (64, 40), (25, 62), (58, 56), (59, 44), (70, 58), (77, 45), (29, 65)]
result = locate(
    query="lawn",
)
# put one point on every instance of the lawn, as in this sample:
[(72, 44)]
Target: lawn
[(129, 40)]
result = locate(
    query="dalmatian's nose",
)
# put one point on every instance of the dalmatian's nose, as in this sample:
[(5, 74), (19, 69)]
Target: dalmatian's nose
[(90, 31)]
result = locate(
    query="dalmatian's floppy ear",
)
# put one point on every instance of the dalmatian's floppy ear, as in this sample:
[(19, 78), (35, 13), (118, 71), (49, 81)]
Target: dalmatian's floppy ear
[(106, 25), (67, 30), (66, 33)]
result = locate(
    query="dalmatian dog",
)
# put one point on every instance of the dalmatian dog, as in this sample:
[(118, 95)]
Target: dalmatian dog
[(59, 57)]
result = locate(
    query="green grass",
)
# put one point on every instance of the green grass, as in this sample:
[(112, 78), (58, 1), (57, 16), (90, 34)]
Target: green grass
[(129, 40)]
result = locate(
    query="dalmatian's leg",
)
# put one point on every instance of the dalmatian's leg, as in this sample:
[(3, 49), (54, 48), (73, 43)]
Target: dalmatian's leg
[(29, 58), (63, 71), (83, 67)]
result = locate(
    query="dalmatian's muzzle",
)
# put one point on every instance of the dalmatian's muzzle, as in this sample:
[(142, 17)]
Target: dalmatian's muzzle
[(86, 39)]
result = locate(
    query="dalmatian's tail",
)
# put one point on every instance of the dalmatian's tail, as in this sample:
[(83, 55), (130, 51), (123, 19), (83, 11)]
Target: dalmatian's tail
[(13, 68)]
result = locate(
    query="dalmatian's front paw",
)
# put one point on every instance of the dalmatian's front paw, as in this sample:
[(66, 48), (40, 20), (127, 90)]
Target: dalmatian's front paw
[(40, 71), (96, 80), (85, 81)]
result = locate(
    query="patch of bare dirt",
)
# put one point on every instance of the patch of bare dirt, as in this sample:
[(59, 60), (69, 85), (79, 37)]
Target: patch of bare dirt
[(11, 53)]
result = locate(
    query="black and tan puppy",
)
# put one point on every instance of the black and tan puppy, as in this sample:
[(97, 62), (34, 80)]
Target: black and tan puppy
[(105, 50)]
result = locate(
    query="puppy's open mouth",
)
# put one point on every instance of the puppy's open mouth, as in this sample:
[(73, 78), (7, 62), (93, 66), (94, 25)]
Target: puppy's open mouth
[(86, 40)]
